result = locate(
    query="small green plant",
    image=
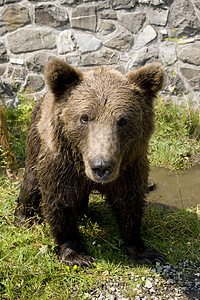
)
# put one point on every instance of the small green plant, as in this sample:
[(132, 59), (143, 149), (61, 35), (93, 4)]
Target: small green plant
[(18, 120), (176, 136)]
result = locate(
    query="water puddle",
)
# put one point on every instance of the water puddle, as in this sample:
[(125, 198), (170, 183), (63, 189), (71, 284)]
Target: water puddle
[(176, 189)]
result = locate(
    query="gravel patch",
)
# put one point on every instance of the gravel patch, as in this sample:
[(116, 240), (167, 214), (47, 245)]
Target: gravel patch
[(179, 282)]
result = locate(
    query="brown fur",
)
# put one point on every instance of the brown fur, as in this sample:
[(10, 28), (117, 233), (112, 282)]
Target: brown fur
[(90, 131)]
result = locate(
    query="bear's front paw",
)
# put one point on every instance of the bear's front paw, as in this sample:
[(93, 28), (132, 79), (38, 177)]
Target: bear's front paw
[(145, 256), (71, 257)]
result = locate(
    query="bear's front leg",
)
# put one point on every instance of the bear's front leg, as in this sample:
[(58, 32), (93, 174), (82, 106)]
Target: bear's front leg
[(62, 221), (128, 211)]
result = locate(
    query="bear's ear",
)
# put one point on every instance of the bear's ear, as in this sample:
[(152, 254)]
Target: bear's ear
[(149, 78), (59, 76)]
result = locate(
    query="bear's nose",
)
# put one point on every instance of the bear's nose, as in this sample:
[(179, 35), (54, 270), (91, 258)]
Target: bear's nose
[(101, 168)]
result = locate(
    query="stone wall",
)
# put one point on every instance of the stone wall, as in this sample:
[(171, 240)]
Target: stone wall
[(123, 34)]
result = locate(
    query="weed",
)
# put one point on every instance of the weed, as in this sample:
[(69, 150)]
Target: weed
[(18, 120), (176, 135)]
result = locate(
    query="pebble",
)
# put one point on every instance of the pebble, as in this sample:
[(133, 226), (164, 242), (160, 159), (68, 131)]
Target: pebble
[(148, 284), (162, 282)]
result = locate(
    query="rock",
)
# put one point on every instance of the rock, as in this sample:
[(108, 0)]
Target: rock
[(34, 83), (16, 61), (2, 69), (148, 284), (108, 14), (159, 2), (121, 41), (145, 37), (132, 21), (183, 18), (117, 4), (142, 56), (10, 1), (66, 42), (51, 15), (158, 16), (193, 77), (16, 73), (102, 4), (190, 53), (31, 39), (84, 17), (69, 1), (37, 61), (104, 57), (3, 53), (13, 17), (106, 28), (168, 52), (87, 42)]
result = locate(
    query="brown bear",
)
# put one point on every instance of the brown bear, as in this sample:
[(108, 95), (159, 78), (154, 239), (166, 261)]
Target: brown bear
[(90, 131)]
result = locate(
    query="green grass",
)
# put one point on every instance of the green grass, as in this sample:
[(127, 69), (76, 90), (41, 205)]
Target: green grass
[(18, 120), (29, 266), (176, 137), (30, 269)]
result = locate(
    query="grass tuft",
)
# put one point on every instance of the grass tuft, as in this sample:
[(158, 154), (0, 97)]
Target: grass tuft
[(176, 137)]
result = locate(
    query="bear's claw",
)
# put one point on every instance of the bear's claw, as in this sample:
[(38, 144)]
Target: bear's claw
[(71, 257)]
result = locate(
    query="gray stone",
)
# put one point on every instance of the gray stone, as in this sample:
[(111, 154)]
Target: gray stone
[(13, 17), (141, 57), (108, 14), (10, 1), (121, 41), (34, 83), (158, 16), (193, 77), (8, 91), (16, 73), (148, 284), (117, 4), (16, 61), (3, 28), (102, 5), (146, 36), (132, 21), (104, 57), (2, 69), (84, 17), (159, 2), (3, 53), (69, 1), (31, 39), (190, 53), (183, 18), (163, 34), (73, 59), (37, 61), (106, 27), (87, 42), (168, 52), (51, 15), (66, 42)]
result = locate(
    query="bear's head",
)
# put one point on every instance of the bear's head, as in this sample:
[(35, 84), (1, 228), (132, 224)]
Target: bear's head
[(106, 116)]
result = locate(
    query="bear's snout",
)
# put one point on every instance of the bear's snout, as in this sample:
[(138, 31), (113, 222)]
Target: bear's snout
[(101, 169)]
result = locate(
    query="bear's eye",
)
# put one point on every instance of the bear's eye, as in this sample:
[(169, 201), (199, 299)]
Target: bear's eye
[(122, 122), (84, 119)]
